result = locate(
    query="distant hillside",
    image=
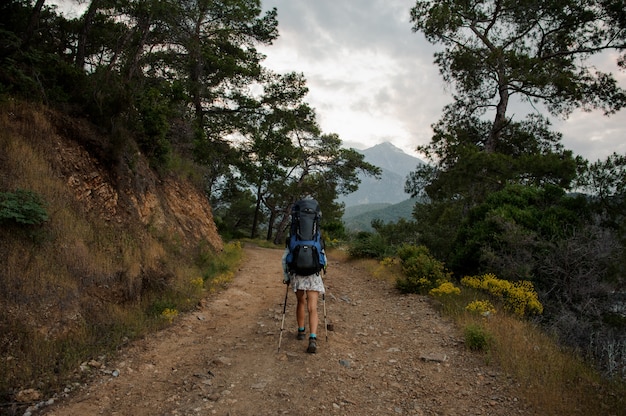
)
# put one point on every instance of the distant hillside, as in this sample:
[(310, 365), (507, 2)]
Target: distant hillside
[(360, 218), (395, 165), (357, 210)]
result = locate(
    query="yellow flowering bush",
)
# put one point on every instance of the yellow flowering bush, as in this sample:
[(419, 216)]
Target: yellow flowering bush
[(221, 281), (197, 283), (519, 298), (387, 261), (169, 314), (447, 288), (481, 307)]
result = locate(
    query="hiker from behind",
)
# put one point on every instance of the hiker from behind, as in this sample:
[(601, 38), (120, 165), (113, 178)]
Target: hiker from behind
[(303, 262), (308, 289)]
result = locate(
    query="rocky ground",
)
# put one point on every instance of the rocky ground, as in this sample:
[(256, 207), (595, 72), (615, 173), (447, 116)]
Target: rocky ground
[(387, 354)]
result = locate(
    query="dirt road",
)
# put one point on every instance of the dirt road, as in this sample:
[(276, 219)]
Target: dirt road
[(388, 354)]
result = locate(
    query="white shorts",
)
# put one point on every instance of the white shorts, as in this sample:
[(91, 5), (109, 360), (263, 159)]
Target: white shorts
[(312, 282)]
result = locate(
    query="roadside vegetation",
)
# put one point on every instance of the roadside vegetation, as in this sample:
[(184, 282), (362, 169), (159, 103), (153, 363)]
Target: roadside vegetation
[(504, 329), (525, 229)]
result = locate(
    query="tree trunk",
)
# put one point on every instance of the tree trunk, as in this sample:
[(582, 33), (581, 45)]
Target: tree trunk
[(500, 121), (270, 225), (195, 71), (282, 225), (257, 209), (32, 22), (143, 26), (81, 48)]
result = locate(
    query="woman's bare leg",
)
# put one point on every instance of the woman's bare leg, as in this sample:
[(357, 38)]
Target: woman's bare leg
[(312, 298)]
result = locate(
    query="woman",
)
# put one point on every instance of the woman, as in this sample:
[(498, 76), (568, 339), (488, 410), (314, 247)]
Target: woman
[(308, 290)]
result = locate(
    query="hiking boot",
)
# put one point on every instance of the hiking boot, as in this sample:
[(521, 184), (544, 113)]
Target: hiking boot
[(301, 335), (312, 346)]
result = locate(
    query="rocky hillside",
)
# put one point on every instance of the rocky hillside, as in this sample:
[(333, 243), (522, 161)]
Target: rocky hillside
[(120, 241), (126, 190)]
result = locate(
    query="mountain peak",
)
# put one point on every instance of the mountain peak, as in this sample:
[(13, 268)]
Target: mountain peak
[(389, 157), (395, 165), (387, 146)]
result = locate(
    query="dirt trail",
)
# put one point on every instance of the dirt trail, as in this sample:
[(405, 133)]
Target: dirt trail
[(389, 354)]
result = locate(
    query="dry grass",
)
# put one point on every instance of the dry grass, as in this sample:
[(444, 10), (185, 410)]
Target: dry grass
[(554, 380), (78, 286)]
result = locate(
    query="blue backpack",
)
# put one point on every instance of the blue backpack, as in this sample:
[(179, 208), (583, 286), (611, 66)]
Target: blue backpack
[(306, 255)]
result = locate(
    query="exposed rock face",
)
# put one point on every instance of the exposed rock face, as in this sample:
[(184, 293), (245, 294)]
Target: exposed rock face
[(192, 213), (130, 191)]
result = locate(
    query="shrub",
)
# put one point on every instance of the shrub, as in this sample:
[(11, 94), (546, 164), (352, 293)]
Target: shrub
[(477, 338), (519, 297), (421, 272), (334, 230), (22, 207), (162, 306), (444, 289), (369, 245), (169, 314), (480, 307)]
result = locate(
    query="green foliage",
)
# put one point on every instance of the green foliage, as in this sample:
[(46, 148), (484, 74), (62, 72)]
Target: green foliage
[(384, 241), (477, 338), (369, 245), (215, 265), (527, 153), (334, 230), (233, 209), (512, 226), (153, 108), (437, 224), (421, 272), (158, 306), (400, 232), (22, 207), (606, 181)]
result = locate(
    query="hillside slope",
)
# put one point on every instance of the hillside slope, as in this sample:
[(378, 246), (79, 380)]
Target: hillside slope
[(119, 239), (360, 217)]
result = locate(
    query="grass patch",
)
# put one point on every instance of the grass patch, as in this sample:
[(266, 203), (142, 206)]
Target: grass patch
[(477, 338), (554, 380)]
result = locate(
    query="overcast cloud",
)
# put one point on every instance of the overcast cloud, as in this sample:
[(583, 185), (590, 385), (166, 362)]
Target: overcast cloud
[(371, 79)]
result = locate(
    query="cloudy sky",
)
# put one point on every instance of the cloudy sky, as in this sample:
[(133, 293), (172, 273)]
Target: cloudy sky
[(371, 79)]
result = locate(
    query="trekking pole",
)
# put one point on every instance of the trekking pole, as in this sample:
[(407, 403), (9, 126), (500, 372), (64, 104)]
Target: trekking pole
[(282, 325), (325, 324)]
